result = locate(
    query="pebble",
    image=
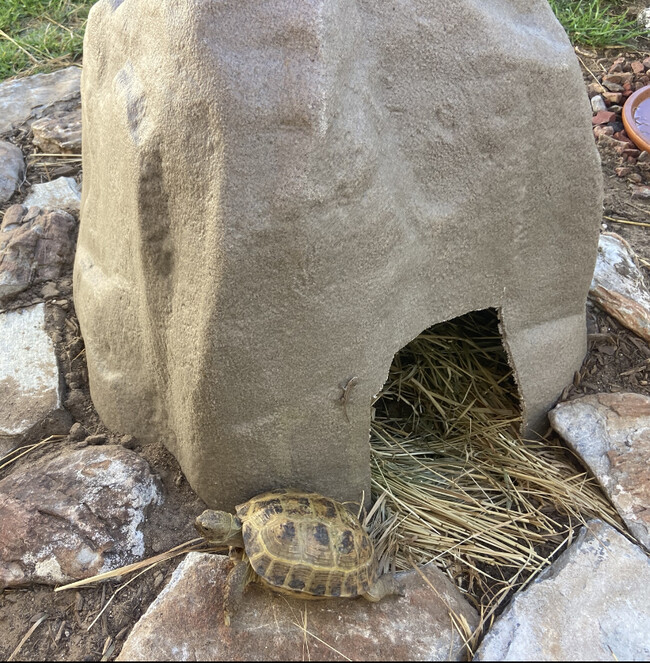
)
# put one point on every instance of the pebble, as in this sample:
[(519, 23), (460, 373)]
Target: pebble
[(603, 117), (598, 104), (641, 193)]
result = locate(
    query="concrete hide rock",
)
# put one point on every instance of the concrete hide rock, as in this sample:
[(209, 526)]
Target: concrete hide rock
[(591, 604), (618, 286), (279, 196), (185, 622), (611, 433), (35, 245), (12, 169), (30, 383), (25, 99), (74, 515)]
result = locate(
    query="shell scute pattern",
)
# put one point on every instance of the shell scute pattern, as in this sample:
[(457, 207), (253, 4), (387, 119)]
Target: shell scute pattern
[(300, 543)]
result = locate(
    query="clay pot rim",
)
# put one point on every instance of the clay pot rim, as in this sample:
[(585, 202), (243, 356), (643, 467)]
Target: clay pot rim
[(633, 101)]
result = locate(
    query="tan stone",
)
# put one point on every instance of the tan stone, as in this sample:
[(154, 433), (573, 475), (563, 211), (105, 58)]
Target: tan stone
[(618, 286), (60, 134), (611, 433), (35, 245), (277, 198), (74, 515), (185, 622)]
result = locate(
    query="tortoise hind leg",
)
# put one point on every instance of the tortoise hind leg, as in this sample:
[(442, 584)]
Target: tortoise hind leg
[(240, 575), (385, 586)]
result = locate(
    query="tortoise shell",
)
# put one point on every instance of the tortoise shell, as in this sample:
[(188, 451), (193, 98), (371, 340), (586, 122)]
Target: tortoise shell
[(303, 543)]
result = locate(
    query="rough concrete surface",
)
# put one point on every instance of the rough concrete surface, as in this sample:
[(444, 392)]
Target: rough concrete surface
[(185, 622), (344, 207)]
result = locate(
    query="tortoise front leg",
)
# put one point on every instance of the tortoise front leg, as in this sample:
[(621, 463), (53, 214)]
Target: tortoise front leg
[(240, 575)]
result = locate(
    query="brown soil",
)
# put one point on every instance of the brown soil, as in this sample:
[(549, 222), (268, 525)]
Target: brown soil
[(617, 361)]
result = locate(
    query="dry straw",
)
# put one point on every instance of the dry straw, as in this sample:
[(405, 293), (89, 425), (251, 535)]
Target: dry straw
[(454, 483)]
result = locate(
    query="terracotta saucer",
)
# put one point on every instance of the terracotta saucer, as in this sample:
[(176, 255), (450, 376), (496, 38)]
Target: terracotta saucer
[(636, 118)]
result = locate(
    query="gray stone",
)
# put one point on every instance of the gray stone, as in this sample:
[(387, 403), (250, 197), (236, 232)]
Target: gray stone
[(612, 86), (598, 104), (591, 604), (643, 18), (611, 433), (35, 245), (62, 193), (74, 515), (343, 207), (23, 99), (59, 134), (29, 375), (641, 192), (49, 290), (185, 622), (618, 286), (12, 170)]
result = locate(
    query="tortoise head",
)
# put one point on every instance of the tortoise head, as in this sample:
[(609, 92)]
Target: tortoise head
[(219, 527)]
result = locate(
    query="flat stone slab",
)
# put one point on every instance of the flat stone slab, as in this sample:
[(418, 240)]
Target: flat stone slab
[(591, 604), (611, 433), (19, 98), (185, 622), (618, 286), (12, 169), (29, 374), (35, 245), (62, 193), (74, 515)]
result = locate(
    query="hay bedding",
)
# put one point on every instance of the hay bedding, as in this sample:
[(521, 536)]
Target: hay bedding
[(452, 480)]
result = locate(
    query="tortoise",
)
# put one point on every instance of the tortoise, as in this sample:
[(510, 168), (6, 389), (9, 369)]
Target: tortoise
[(297, 543)]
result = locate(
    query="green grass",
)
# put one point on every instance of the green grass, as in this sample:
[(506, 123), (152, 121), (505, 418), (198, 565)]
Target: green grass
[(40, 35), (599, 23)]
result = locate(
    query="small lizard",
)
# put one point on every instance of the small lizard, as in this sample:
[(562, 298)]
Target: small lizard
[(343, 398)]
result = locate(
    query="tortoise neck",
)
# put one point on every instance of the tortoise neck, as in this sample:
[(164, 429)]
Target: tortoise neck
[(234, 537)]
